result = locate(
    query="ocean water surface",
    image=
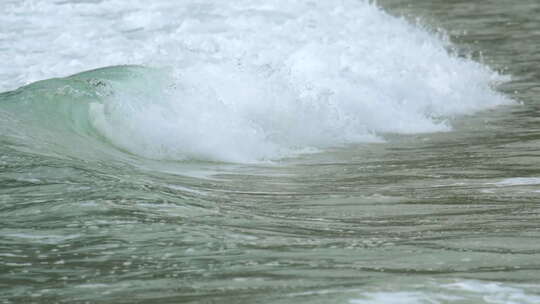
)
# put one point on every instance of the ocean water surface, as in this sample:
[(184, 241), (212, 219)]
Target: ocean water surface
[(269, 152)]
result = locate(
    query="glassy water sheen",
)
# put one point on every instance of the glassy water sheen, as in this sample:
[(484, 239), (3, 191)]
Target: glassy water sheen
[(270, 152)]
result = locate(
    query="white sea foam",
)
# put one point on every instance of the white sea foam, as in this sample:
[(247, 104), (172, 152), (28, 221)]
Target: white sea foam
[(247, 80), (518, 181), (466, 291), (403, 297)]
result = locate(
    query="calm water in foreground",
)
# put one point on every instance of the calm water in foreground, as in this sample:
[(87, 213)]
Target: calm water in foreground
[(440, 217)]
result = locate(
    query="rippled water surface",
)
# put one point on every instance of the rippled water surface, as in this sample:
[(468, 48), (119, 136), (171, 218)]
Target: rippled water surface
[(91, 215)]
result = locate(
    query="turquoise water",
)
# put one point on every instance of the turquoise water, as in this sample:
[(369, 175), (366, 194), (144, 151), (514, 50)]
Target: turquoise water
[(174, 183)]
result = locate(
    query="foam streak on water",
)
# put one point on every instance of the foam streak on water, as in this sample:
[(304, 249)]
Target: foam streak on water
[(247, 81)]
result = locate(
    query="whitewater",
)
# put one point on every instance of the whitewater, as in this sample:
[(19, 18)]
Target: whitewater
[(258, 81)]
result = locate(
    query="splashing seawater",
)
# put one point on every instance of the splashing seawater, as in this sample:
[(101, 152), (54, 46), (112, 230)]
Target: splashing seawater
[(250, 81)]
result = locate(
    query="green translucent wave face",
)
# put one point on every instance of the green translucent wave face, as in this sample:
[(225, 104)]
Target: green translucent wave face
[(53, 116)]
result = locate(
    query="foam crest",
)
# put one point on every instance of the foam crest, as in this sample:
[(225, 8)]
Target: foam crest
[(250, 80)]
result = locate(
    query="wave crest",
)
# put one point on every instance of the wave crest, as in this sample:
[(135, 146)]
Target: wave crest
[(246, 82)]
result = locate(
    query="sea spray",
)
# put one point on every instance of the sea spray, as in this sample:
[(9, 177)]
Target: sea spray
[(251, 81)]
